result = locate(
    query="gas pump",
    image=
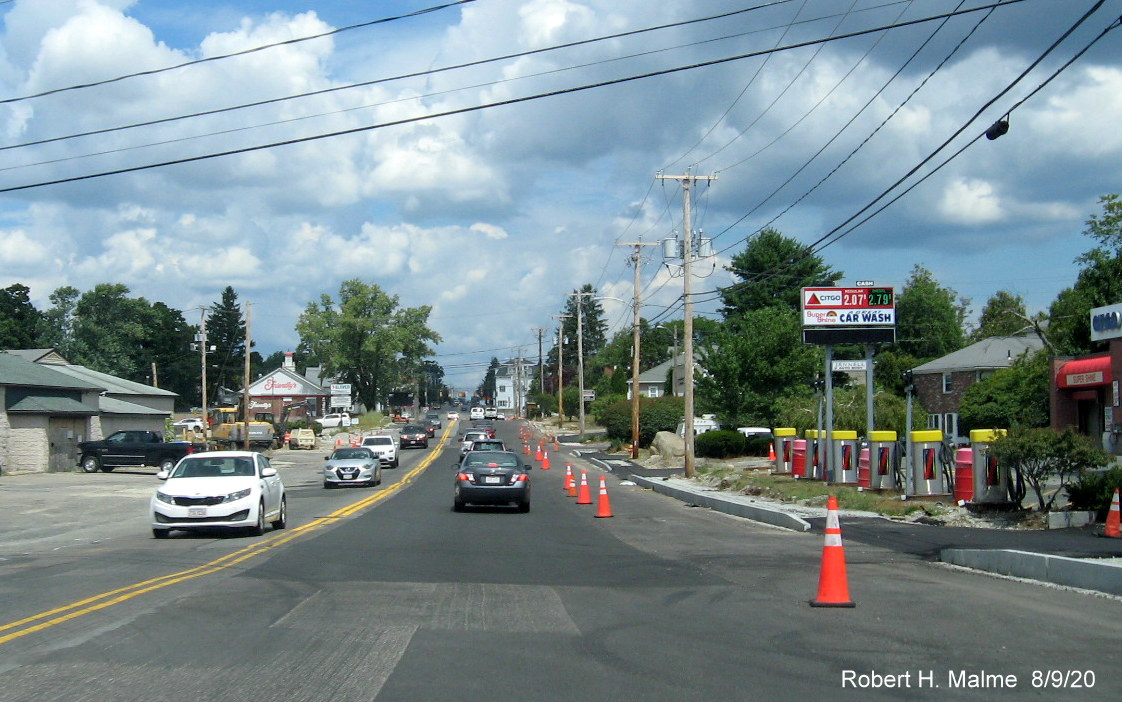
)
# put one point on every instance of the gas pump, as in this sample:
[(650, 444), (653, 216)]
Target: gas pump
[(884, 460), (844, 467), (784, 443), (813, 464), (926, 463), (991, 478)]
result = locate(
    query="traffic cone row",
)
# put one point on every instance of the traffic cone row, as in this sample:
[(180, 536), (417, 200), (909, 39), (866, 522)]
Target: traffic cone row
[(1113, 517), (538, 455), (833, 585), (584, 497), (545, 461)]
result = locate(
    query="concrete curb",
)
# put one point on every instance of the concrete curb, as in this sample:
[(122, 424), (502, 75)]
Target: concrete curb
[(1089, 574), (739, 509)]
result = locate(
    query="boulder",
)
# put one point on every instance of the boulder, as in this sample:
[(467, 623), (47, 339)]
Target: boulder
[(668, 447)]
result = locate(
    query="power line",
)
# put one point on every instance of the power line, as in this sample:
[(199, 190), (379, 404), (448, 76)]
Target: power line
[(476, 108), (209, 59)]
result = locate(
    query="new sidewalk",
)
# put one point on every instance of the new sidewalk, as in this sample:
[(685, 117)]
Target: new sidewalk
[(1070, 557)]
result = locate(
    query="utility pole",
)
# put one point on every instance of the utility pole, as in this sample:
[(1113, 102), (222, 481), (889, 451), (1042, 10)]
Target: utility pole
[(635, 260), (560, 368), (245, 381), (541, 366), (687, 302), (202, 353)]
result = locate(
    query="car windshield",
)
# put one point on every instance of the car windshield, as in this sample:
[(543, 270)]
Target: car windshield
[(499, 460), (377, 440), (413, 429), (351, 454), (213, 467)]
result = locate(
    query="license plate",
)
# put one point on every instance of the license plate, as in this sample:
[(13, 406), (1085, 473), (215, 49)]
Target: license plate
[(196, 511), (493, 479)]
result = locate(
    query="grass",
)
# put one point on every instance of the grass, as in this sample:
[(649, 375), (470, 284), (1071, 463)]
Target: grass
[(809, 492)]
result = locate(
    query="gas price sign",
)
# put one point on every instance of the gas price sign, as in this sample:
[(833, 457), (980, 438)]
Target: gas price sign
[(849, 307)]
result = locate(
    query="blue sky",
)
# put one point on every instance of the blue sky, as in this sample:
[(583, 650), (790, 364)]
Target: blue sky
[(491, 216)]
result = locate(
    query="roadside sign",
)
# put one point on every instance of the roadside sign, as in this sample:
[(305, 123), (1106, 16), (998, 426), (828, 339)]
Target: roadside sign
[(589, 395), (849, 366), (849, 307)]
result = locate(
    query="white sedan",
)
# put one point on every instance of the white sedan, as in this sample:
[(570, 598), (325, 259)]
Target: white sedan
[(229, 489)]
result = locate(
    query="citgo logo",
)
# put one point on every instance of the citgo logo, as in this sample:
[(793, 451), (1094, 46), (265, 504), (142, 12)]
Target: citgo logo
[(1106, 321)]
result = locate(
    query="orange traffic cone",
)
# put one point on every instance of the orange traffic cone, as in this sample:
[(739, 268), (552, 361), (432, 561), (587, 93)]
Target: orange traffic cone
[(569, 479), (538, 455), (833, 586), (771, 451), (545, 461), (338, 442), (584, 496), (1113, 518), (556, 444), (604, 508), (525, 448)]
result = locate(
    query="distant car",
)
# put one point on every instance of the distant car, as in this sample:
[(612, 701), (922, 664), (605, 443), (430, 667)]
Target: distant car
[(228, 489), (414, 435), (434, 418), (452, 416), (352, 466), (490, 413), (500, 415), (384, 447), (486, 425), (331, 421), (192, 423), (476, 413), (470, 437), (487, 445), (491, 478), (302, 438)]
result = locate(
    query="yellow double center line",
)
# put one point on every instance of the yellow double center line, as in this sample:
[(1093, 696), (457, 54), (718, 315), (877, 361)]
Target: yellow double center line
[(53, 617)]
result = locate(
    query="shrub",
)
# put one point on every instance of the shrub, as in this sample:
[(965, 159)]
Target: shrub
[(756, 445), (1095, 490), (720, 444), (655, 415)]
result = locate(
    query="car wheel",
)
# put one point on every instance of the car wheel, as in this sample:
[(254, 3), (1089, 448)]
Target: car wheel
[(167, 464), (282, 517), (259, 528), (160, 533), (328, 486), (457, 506), (524, 506), (91, 464)]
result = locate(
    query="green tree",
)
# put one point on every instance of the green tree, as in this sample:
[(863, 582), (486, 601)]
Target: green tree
[(1003, 315), (929, 318), (365, 339), (593, 328), (889, 366), (20, 321), (1099, 283), (170, 338), (751, 362), (225, 332), (57, 324), (771, 270), (110, 333), (1016, 396), (799, 409), (1043, 458), (486, 388)]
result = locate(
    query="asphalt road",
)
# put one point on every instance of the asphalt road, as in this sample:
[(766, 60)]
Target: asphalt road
[(400, 598)]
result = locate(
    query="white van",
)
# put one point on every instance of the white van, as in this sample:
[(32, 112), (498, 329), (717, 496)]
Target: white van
[(477, 413), (702, 424)]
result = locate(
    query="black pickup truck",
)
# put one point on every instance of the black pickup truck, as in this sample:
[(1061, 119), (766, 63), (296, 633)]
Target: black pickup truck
[(133, 448)]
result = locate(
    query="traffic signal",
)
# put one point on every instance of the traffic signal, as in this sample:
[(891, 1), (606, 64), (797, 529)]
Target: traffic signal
[(998, 128)]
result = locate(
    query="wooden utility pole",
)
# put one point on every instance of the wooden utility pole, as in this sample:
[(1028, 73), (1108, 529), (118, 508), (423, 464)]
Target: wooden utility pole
[(245, 382), (635, 260), (687, 308), (560, 368)]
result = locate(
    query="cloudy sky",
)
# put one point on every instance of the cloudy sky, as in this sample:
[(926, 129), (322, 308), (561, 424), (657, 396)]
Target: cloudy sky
[(400, 166)]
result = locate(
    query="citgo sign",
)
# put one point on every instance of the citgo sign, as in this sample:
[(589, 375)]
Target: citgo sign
[(1106, 322)]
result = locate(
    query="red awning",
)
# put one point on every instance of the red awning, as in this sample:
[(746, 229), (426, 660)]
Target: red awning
[(1085, 372)]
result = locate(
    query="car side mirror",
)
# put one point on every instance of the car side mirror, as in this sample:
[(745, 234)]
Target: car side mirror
[(327, 458), (527, 466), (268, 472), (162, 475)]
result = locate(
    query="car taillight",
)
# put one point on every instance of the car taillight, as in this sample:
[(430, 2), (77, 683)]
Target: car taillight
[(521, 478), (190, 449), (466, 477)]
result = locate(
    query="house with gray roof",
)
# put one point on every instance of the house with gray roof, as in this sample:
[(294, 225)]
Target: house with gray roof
[(941, 383), (43, 416)]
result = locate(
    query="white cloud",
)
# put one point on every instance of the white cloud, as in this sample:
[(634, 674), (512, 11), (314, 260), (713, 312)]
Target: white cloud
[(971, 203)]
